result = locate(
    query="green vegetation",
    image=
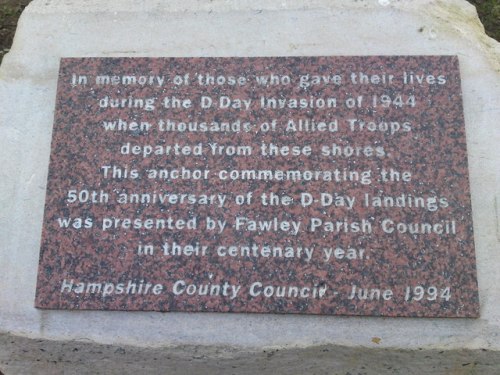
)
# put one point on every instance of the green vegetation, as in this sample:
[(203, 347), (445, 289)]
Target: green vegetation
[(10, 10), (489, 13)]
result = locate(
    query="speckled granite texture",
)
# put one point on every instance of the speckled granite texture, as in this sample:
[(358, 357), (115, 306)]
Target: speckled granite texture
[(85, 268)]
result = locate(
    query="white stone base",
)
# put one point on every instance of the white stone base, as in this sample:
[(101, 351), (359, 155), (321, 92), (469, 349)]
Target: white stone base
[(51, 29)]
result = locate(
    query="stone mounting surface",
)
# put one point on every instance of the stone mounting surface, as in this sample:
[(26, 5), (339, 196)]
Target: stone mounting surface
[(384, 157)]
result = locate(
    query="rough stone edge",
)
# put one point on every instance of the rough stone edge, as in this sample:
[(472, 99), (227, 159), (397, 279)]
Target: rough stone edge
[(458, 15), (20, 355), (462, 17)]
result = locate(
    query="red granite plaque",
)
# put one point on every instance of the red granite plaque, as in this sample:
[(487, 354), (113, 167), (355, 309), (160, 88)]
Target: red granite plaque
[(317, 185)]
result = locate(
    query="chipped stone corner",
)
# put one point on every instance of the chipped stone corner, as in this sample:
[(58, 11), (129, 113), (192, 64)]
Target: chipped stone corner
[(460, 16)]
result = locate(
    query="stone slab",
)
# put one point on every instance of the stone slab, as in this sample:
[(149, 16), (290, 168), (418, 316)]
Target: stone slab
[(81, 358), (186, 185), (28, 80)]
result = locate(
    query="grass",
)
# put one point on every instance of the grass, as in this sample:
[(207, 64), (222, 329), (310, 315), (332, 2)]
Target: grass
[(10, 10), (489, 13)]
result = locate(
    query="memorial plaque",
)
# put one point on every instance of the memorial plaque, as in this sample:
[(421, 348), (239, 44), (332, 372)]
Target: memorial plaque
[(318, 185)]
